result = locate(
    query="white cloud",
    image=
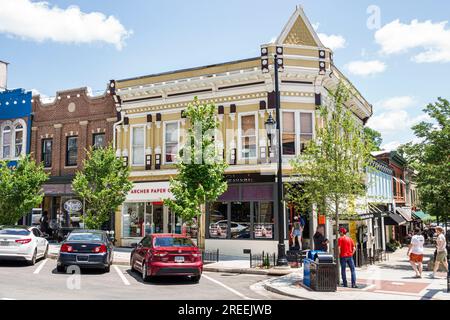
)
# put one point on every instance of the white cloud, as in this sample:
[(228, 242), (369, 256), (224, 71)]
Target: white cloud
[(395, 121), (393, 145), (39, 21), (365, 68), (332, 41), (432, 38), (397, 103)]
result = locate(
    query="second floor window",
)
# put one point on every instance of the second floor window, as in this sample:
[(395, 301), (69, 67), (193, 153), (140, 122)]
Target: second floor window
[(18, 136), (47, 152), (72, 151), (138, 146), (6, 138), (288, 133), (248, 136), (171, 141), (99, 140), (306, 129)]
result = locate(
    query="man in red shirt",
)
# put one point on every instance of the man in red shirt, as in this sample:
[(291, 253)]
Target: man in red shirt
[(347, 249)]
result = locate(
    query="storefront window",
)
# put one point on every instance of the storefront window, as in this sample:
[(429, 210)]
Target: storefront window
[(171, 141), (263, 227), (72, 151), (218, 220), (138, 146), (240, 220), (6, 142), (18, 140), (133, 220)]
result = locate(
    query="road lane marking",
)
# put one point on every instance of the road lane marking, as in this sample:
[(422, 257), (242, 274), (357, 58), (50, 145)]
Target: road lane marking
[(38, 269), (227, 287), (119, 272), (8, 299)]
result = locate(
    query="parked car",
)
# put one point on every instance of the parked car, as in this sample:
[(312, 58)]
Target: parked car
[(86, 249), (22, 243), (167, 255)]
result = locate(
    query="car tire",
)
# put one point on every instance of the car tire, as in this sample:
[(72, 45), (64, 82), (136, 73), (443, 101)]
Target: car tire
[(145, 276), (45, 253), (132, 265), (61, 269), (196, 279), (32, 262)]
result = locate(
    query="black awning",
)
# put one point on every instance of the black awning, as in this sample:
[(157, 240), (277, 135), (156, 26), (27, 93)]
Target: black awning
[(394, 219)]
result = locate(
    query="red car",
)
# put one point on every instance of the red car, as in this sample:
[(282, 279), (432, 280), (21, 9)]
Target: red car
[(167, 255)]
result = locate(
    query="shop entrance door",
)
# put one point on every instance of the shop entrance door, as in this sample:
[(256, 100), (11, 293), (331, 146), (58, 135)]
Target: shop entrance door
[(158, 218)]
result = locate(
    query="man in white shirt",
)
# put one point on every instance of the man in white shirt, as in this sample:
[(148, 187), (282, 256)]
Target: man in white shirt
[(441, 250), (415, 252)]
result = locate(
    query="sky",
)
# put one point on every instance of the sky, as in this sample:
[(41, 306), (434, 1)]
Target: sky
[(397, 53)]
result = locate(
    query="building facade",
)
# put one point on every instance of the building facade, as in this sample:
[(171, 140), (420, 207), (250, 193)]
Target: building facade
[(151, 132), (63, 129), (15, 124)]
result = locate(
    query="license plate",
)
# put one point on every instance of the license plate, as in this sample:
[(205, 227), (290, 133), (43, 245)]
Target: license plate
[(83, 258), (4, 243), (179, 259)]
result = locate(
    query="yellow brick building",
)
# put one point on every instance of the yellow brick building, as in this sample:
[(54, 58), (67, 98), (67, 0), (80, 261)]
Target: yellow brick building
[(150, 133)]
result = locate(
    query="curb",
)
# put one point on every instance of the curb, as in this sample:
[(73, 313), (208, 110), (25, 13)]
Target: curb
[(283, 293), (247, 271)]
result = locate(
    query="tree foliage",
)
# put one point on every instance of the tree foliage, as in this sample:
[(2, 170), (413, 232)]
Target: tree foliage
[(200, 176), (431, 158), (103, 184), (373, 137), (20, 189)]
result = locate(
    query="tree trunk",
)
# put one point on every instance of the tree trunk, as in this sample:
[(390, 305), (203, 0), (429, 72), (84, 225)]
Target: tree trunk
[(336, 249), (201, 228)]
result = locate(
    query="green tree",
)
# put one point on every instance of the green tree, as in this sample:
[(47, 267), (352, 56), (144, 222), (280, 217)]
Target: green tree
[(332, 167), (20, 189), (200, 177), (373, 137), (103, 184), (431, 158)]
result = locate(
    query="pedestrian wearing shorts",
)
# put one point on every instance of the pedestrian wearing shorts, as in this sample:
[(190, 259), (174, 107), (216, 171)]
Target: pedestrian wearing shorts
[(441, 251), (415, 253)]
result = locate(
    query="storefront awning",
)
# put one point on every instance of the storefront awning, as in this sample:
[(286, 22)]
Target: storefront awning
[(421, 215), (394, 219), (404, 213)]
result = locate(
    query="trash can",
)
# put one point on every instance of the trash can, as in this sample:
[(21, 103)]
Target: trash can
[(307, 272), (323, 274)]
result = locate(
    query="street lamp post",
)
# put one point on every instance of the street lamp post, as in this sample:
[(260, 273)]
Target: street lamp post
[(270, 123)]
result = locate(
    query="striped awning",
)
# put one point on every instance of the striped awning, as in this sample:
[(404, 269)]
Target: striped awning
[(405, 214)]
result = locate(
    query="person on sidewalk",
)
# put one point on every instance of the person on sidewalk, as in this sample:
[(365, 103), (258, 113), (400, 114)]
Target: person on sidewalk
[(320, 242), (441, 251), (347, 249), (297, 231), (415, 252)]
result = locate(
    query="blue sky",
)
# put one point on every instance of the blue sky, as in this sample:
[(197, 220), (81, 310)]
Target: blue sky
[(406, 63)]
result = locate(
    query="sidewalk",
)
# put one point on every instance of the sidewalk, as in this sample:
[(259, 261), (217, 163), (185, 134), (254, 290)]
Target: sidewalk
[(389, 280)]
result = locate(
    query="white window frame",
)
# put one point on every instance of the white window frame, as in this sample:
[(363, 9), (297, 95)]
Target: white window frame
[(297, 113), (164, 140), (132, 127), (12, 142), (239, 134)]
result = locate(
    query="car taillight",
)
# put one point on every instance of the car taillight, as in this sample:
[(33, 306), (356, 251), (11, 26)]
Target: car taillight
[(197, 254), (23, 241), (160, 254), (66, 248), (99, 249)]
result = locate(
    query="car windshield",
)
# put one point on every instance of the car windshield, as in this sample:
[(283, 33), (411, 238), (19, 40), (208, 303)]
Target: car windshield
[(173, 242), (14, 232), (85, 237)]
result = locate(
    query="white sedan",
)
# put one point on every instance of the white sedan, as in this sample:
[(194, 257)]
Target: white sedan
[(22, 243)]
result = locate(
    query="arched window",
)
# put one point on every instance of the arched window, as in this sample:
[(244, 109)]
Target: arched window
[(6, 139), (18, 140)]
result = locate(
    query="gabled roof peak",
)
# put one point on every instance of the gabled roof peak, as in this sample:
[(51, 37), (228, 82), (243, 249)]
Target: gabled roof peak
[(299, 31)]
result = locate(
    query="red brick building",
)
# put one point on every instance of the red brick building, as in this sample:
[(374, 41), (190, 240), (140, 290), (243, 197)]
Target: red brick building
[(62, 130)]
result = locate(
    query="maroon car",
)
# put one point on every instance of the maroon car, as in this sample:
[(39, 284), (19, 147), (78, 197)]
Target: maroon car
[(167, 255)]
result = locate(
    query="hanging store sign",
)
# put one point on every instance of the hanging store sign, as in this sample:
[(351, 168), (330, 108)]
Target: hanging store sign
[(73, 205), (249, 178)]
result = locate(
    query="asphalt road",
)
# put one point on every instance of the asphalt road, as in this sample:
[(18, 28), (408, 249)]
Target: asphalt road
[(43, 282)]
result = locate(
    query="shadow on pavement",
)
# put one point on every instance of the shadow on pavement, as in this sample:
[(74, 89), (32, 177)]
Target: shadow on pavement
[(431, 293), (84, 271), (14, 264), (162, 281)]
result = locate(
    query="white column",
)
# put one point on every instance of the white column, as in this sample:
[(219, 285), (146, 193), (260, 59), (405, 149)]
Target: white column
[(383, 234)]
